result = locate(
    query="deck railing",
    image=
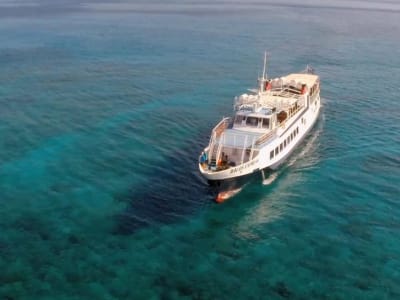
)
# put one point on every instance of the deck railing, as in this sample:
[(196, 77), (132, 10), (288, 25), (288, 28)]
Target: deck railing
[(216, 134), (221, 126), (265, 137), (246, 150), (292, 112)]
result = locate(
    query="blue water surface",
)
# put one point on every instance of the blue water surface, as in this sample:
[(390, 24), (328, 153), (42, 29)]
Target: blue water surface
[(105, 107)]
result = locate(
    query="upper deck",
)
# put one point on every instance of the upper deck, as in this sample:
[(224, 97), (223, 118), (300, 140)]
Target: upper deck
[(278, 93)]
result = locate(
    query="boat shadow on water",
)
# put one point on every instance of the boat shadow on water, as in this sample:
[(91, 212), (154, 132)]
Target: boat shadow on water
[(172, 192)]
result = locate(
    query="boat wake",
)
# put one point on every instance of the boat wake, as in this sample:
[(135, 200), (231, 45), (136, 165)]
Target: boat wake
[(271, 178)]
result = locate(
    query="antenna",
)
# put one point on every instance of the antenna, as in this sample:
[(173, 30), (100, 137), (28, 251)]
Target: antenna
[(265, 65)]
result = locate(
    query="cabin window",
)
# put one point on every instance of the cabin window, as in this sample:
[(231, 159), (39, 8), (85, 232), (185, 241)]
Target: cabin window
[(265, 122), (284, 143), (271, 154), (297, 130), (252, 121), (281, 147), (276, 151), (239, 119), (313, 89), (291, 136)]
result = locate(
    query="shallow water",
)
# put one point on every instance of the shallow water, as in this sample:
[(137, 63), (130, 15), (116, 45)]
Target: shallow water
[(105, 108)]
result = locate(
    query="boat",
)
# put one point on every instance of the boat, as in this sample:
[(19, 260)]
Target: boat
[(267, 125)]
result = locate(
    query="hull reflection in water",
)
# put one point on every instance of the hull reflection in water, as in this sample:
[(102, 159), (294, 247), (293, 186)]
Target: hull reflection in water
[(222, 196)]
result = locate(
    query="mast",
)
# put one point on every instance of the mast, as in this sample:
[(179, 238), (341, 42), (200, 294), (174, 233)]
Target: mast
[(265, 66), (263, 79)]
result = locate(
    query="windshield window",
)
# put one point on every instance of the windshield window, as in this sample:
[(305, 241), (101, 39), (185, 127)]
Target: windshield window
[(265, 123), (239, 119), (252, 121)]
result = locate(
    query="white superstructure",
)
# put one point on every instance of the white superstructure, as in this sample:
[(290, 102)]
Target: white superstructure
[(269, 122)]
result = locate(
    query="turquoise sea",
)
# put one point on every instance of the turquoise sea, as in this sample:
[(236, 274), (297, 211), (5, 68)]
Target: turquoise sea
[(105, 107)]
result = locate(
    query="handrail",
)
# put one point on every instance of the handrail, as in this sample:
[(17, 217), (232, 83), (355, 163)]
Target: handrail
[(265, 137), (221, 126), (211, 146)]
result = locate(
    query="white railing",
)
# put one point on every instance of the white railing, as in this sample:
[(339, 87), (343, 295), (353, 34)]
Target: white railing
[(223, 155), (265, 137), (221, 126), (216, 134)]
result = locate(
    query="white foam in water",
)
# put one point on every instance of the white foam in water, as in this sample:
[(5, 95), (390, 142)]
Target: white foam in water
[(270, 179)]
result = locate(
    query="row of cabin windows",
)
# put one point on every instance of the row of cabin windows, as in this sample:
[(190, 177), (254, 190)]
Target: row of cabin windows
[(252, 121), (284, 143)]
